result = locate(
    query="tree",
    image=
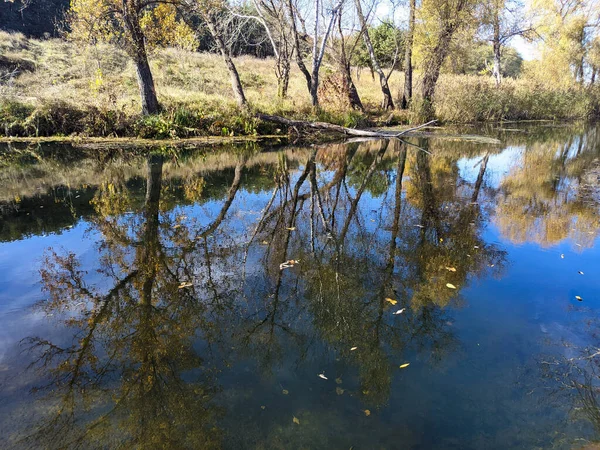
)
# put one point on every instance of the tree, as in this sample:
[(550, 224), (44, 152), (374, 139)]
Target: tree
[(446, 17), (120, 22), (408, 68), (273, 16), (567, 30), (388, 102), (216, 18), (501, 21), (318, 51)]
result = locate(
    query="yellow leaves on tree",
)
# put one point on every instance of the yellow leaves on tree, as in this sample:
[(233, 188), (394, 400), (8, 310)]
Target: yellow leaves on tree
[(163, 28), (96, 21)]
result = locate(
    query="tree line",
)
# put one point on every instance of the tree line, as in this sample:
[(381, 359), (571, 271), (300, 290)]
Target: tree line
[(463, 36)]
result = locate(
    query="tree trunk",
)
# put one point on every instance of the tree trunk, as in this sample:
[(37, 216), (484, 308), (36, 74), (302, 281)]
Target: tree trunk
[(497, 47), (146, 85), (299, 60), (432, 71), (283, 78), (349, 87), (593, 77), (387, 103), (140, 59), (236, 84), (408, 70)]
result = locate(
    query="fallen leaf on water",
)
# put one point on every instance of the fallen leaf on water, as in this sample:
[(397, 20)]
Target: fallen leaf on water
[(367, 412), (295, 420), (391, 300), (185, 284), (176, 226), (400, 311), (451, 269), (578, 298), (450, 285), (285, 392), (322, 376), (338, 381), (288, 263), (339, 390), (262, 407), (580, 272), (405, 365), (265, 242), (562, 256), (291, 228), (353, 348)]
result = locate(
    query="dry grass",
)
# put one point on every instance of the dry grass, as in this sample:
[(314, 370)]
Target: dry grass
[(93, 91)]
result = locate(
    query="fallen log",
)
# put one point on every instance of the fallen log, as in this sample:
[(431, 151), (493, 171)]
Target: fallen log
[(325, 126)]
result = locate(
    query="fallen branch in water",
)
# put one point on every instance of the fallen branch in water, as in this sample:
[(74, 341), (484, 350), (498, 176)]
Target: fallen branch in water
[(325, 126)]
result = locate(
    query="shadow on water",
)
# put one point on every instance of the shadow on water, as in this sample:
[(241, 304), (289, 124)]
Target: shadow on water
[(169, 321)]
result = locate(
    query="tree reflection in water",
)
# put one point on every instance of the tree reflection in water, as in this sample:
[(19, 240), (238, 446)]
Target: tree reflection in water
[(181, 293)]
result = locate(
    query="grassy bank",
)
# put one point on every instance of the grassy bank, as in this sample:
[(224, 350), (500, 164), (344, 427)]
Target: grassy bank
[(63, 89)]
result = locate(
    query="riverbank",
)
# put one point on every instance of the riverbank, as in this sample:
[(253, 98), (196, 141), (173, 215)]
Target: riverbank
[(64, 90)]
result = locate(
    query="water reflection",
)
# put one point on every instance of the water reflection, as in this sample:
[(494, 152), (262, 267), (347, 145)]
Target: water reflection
[(186, 292)]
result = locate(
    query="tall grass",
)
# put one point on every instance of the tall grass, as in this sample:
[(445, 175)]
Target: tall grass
[(93, 92)]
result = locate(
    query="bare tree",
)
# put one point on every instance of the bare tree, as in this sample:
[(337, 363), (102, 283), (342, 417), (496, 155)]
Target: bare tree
[(388, 102), (274, 18), (224, 33), (318, 49), (344, 57), (502, 20)]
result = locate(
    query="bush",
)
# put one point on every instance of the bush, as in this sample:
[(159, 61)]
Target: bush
[(462, 98)]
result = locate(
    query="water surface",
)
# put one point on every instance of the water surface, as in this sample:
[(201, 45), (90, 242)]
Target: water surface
[(441, 294)]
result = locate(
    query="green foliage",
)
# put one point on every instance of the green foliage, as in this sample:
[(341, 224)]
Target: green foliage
[(476, 58), (386, 38)]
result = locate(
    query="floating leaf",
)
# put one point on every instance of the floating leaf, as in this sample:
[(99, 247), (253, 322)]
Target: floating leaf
[(176, 226), (451, 269), (262, 407), (339, 390), (580, 272), (578, 298), (450, 285), (400, 311), (295, 420), (562, 256), (391, 300), (265, 242), (185, 284), (353, 348), (291, 228), (367, 412), (405, 365), (288, 263), (322, 376), (285, 392), (338, 381)]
